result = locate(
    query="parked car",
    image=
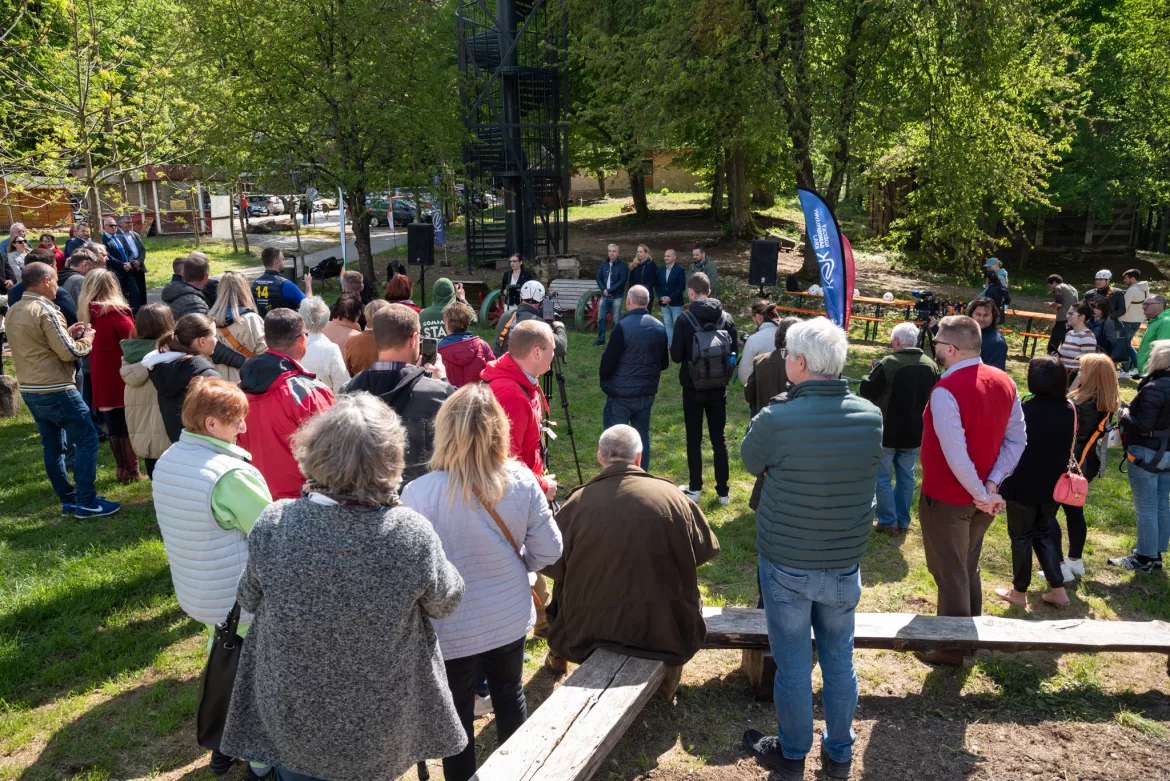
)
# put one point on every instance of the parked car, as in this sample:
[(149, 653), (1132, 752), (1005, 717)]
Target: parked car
[(272, 203), (404, 212), (257, 205)]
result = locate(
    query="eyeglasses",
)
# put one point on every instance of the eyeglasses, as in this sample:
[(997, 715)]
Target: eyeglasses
[(948, 344)]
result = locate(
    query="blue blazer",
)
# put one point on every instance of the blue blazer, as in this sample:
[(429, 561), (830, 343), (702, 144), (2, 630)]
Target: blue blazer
[(672, 281), (114, 250), (620, 273)]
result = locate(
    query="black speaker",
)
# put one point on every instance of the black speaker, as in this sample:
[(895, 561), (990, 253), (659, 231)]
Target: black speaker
[(765, 257), (420, 244)]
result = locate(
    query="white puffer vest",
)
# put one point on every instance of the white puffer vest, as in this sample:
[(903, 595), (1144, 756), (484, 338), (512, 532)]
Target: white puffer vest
[(206, 559)]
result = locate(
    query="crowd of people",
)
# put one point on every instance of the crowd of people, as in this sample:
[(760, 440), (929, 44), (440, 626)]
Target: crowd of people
[(308, 461)]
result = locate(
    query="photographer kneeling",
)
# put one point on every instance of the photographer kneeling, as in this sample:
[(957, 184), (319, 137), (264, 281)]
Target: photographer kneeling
[(530, 308)]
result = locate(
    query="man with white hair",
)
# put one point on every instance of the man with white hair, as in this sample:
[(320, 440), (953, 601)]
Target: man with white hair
[(900, 386), (631, 365), (626, 579), (819, 448)]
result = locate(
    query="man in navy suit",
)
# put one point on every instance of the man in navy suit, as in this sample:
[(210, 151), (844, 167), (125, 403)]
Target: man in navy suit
[(138, 260), (121, 261)]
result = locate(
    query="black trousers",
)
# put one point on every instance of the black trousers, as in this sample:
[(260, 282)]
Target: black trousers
[(504, 667), (1056, 339), (695, 407), (1074, 517), (1028, 528)]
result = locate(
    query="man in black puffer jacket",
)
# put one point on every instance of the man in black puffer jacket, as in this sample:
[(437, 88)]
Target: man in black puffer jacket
[(630, 367), (704, 312), (414, 392), (187, 296)]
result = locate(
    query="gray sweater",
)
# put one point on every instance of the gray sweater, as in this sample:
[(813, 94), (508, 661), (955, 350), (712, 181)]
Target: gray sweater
[(341, 676)]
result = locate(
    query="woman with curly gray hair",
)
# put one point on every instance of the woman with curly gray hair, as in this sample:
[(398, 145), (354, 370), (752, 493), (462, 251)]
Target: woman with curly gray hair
[(341, 676)]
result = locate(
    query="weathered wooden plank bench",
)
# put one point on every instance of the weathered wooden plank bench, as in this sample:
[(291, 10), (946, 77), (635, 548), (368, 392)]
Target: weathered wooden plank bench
[(747, 628), (571, 733)]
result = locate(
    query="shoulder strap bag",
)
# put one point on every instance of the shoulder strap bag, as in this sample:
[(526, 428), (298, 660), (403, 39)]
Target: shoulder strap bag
[(1072, 488), (234, 342), (511, 541), (219, 677)]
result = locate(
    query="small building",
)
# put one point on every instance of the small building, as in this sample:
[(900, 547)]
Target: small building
[(661, 171), (36, 201)]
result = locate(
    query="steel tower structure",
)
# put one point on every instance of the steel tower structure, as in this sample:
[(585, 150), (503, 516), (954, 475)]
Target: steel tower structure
[(513, 92)]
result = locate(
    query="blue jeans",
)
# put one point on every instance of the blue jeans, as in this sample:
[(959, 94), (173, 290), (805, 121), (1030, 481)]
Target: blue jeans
[(634, 411), (1151, 500), (670, 314), (1130, 330), (604, 306), (894, 498), (824, 601), (60, 415)]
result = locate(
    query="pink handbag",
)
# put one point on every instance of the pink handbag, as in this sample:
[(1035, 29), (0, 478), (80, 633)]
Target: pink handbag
[(1072, 488)]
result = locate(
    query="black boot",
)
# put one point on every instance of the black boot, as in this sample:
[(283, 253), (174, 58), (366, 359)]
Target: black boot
[(220, 763)]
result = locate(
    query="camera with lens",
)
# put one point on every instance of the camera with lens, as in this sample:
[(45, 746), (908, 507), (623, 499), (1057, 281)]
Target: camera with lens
[(927, 306), (990, 276), (548, 307)]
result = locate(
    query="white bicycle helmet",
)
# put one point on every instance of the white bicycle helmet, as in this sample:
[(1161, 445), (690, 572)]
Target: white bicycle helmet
[(532, 291), (1104, 274), (814, 290)]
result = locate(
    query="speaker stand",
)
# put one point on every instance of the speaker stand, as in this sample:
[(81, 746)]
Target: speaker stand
[(422, 283)]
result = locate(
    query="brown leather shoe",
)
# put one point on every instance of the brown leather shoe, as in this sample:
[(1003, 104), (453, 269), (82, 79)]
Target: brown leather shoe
[(556, 663), (939, 656)]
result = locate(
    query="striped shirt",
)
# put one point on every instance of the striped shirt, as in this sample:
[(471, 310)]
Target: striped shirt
[(1076, 344)]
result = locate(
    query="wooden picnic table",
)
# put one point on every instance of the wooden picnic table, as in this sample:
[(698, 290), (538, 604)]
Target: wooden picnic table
[(871, 323), (1027, 331)]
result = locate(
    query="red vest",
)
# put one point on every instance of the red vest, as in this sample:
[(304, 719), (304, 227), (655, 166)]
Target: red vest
[(985, 396)]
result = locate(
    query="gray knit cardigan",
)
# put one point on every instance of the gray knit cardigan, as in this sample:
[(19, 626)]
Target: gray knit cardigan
[(341, 676)]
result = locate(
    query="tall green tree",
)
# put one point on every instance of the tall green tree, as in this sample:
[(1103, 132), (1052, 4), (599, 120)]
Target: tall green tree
[(351, 93)]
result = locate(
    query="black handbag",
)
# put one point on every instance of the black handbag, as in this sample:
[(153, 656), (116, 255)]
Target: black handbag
[(219, 677)]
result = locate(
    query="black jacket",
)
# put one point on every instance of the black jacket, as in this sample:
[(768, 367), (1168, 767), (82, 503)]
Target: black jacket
[(707, 310), (900, 386), (63, 300), (1000, 295), (528, 312), (171, 380), (184, 299), (646, 275), (416, 397), (635, 356), (1049, 422), (1149, 412), (994, 352), (512, 297), (1088, 419)]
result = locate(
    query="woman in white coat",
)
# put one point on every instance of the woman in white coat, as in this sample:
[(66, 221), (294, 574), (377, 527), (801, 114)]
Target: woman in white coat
[(765, 316), (496, 528), (322, 356)]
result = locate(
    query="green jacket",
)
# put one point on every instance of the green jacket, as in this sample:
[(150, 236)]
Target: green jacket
[(707, 266), (1158, 328), (900, 386), (819, 447), (431, 319)]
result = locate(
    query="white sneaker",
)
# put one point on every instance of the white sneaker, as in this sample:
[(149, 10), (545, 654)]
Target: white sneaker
[(483, 706), (724, 500), (1075, 566), (1122, 374), (1066, 573), (692, 495)]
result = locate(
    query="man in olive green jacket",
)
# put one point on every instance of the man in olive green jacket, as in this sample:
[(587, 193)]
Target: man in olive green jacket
[(819, 448), (704, 265)]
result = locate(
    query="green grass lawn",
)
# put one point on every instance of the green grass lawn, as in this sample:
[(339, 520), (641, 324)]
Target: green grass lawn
[(99, 666)]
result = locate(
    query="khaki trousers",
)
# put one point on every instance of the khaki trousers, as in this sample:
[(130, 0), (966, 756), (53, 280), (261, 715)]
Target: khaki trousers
[(542, 590), (953, 538)]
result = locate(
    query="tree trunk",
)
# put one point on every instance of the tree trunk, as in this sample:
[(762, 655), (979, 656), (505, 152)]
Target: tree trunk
[(638, 191), (840, 156), (717, 188), (742, 225), (601, 184), (356, 198), (1162, 233), (796, 102), (243, 210)]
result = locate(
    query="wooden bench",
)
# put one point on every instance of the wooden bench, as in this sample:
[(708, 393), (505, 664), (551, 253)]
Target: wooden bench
[(1035, 337), (571, 733), (747, 628), (798, 311)]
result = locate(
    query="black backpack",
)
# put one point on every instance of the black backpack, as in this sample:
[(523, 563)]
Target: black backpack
[(709, 364)]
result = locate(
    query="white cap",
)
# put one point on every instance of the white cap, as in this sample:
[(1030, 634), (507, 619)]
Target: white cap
[(887, 296), (815, 290), (532, 291), (856, 293), (1104, 274)]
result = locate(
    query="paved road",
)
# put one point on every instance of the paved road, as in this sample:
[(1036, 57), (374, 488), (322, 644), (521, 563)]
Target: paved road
[(381, 239)]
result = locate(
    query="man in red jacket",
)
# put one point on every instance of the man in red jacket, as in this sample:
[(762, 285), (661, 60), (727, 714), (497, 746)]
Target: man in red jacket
[(281, 396), (515, 380), (972, 438)]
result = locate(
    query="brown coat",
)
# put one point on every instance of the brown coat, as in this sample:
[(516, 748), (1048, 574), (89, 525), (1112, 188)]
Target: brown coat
[(360, 352), (626, 580), (769, 379)]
